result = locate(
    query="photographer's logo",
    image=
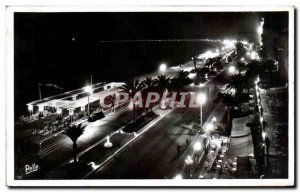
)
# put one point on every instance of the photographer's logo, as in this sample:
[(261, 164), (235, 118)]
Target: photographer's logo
[(31, 168)]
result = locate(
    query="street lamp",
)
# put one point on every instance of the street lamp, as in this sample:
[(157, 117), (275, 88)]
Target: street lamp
[(88, 89), (261, 119), (178, 176), (231, 69), (197, 146), (209, 127), (264, 136), (162, 67), (201, 98), (214, 119), (189, 161)]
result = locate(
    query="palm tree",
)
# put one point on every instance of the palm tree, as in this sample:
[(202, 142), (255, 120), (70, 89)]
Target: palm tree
[(181, 80), (149, 83), (163, 82), (74, 132), (236, 82), (132, 87)]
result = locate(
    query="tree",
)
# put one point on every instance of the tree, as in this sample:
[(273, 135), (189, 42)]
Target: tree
[(163, 82), (74, 132), (180, 80), (236, 82), (149, 85), (132, 87)]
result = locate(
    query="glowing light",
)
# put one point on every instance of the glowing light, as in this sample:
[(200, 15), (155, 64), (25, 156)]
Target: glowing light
[(201, 85), (223, 48), (214, 119), (253, 55), (260, 30), (189, 160), (245, 42), (192, 75), (242, 59), (209, 127), (30, 107), (107, 144), (231, 69), (71, 112), (264, 135), (59, 111), (207, 54), (229, 43), (93, 165), (82, 108), (41, 108), (163, 67), (201, 98), (88, 89), (261, 119), (178, 176), (197, 146)]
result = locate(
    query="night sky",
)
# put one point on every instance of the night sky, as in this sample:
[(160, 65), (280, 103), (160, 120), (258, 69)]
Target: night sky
[(66, 48)]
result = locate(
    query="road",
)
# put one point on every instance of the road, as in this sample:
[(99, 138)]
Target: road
[(58, 150), (154, 155)]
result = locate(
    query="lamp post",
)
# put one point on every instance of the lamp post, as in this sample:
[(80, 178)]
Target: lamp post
[(189, 162), (88, 89), (59, 113), (231, 69), (201, 98)]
